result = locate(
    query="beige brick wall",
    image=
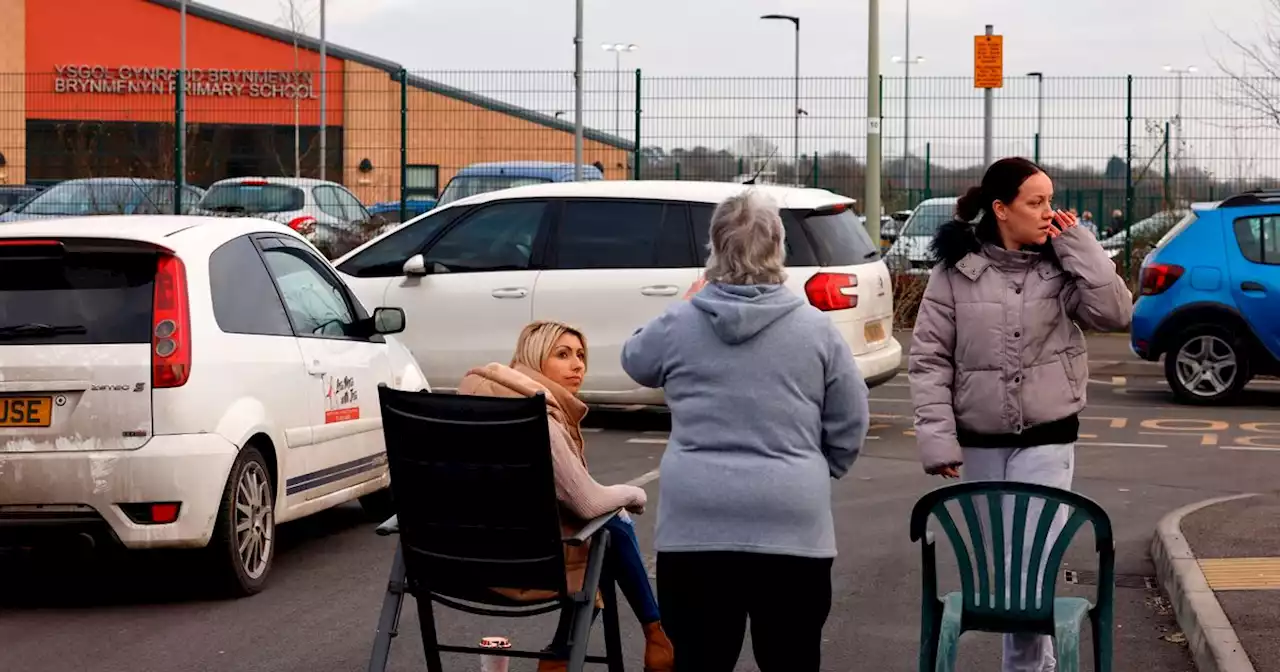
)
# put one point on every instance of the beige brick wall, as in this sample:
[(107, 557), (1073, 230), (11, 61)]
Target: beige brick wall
[(445, 132), (13, 101)]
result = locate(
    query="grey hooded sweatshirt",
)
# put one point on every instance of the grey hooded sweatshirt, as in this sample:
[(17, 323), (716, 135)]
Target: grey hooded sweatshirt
[(767, 406)]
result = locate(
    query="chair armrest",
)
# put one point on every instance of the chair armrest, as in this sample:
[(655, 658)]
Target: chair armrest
[(589, 530), (389, 527)]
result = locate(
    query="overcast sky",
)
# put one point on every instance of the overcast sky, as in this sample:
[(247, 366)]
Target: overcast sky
[(725, 37)]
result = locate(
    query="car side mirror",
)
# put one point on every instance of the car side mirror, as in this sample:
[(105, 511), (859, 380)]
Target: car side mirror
[(388, 320), (416, 265)]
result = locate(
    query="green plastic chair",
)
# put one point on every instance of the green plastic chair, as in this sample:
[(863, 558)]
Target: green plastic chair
[(944, 619)]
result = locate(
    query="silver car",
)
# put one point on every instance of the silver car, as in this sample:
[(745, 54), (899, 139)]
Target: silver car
[(326, 213)]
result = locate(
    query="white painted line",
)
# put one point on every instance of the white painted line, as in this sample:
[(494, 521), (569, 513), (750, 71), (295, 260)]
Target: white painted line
[(873, 438), (644, 479), (1104, 444), (1261, 449), (894, 385), (592, 429), (655, 433), (646, 440), (1117, 380)]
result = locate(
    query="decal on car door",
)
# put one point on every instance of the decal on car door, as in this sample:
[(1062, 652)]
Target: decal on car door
[(341, 399)]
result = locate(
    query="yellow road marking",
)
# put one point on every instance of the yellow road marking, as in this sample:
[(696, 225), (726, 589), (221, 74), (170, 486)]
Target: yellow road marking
[(1206, 439), (1116, 423), (1241, 573)]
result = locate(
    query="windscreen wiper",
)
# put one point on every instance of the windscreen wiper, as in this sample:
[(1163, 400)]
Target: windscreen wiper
[(37, 329)]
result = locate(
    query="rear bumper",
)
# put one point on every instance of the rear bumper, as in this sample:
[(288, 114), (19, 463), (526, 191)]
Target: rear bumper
[(880, 365), (63, 494)]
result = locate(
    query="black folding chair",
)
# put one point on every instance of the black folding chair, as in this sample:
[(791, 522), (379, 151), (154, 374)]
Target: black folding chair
[(476, 509)]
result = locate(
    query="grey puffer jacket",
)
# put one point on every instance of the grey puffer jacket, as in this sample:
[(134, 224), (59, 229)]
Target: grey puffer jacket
[(996, 348)]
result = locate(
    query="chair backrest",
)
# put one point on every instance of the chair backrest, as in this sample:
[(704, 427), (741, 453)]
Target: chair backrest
[(474, 491), (1036, 524)]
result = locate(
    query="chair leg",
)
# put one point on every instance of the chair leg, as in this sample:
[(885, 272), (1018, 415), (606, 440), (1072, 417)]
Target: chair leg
[(612, 634), (1066, 641), (427, 623), (389, 619), (931, 622), (585, 609), (1101, 643), (949, 631)]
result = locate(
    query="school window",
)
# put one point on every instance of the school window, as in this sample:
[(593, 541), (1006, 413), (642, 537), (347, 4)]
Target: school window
[(422, 181)]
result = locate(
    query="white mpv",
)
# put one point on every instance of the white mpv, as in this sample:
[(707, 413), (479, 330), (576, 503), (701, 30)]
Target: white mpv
[(185, 382), (606, 256)]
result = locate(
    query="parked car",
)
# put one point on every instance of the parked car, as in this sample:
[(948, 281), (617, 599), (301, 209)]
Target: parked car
[(1208, 300), (1147, 229), (480, 178), (12, 195), (909, 252), (607, 256), (325, 213), (103, 196), (180, 382)]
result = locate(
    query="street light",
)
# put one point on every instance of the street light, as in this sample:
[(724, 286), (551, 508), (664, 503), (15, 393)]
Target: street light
[(1039, 110), (1177, 122), (907, 62), (617, 50), (797, 112)]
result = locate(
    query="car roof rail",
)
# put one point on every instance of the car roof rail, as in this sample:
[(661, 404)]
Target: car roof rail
[(1252, 197)]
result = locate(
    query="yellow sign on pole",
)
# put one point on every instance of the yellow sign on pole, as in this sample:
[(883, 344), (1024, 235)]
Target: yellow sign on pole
[(988, 61)]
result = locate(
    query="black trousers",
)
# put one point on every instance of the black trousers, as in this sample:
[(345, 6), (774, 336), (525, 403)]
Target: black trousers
[(708, 598)]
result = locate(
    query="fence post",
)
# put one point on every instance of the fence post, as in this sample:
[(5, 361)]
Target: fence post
[(815, 170), (1167, 201), (179, 139), (928, 170), (677, 170), (635, 172), (403, 76), (1128, 174)]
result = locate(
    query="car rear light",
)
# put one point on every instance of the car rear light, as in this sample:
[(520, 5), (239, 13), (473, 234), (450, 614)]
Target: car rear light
[(1158, 278), (253, 183), (151, 513), (171, 325), (831, 209), (27, 242), (304, 224), (832, 291)]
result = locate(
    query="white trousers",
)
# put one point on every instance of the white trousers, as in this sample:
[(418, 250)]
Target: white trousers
[(1052, 465)]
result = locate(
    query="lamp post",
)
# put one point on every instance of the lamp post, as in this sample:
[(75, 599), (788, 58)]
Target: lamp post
[(907, 61), (871, 209), (324, 89), (796, 137), (617, 50), (1039, 111), (1177, 123), (578, 128), (180, 123)]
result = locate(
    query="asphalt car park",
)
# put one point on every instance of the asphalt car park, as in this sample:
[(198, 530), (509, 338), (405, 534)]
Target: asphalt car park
[(1140, 455)]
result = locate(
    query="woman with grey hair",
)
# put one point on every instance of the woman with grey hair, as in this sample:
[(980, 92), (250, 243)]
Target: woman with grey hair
[(767, 406)]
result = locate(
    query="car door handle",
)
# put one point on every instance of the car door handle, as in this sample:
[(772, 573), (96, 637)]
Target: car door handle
[(660, 290), (1251, 286), (510, 293)]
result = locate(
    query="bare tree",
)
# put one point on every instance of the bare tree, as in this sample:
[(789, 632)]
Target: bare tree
[(296, 17), (1255, 83)]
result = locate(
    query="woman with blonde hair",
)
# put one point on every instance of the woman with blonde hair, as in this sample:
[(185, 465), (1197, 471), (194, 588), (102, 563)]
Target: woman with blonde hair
[(551, 357)]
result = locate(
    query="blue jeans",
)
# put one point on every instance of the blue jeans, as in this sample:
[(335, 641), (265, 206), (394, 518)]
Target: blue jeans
[(627, 566), (625, 563)]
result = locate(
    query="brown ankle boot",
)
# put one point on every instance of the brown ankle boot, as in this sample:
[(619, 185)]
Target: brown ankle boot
[(658, 654), (553, 665)]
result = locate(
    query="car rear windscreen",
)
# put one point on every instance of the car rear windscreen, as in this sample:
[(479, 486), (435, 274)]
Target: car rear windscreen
[(462, 187), (50, 295), (253, 198), (840, 239)]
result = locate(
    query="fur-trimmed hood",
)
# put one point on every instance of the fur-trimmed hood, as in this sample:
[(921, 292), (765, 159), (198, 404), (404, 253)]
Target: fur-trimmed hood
[(956, 239)]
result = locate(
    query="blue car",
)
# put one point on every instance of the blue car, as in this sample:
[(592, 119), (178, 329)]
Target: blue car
[(481, 178), (1210, 298)]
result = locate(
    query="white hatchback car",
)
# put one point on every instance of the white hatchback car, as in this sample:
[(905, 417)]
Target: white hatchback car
[(606, 256), (185, 382)]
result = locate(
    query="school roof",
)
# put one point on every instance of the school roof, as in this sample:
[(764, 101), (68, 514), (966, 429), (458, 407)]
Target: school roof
[(307, 42)]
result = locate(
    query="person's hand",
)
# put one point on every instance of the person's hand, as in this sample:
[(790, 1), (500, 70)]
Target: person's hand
[(695, 287), (947, 471), (1062, 220)]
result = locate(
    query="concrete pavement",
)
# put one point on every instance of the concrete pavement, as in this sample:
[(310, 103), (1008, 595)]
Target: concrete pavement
[(1140, 456), (1220, 563)]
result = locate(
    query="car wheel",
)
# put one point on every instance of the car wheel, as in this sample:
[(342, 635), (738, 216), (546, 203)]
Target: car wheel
[(243, 543), (1208, 364), (379, 505)]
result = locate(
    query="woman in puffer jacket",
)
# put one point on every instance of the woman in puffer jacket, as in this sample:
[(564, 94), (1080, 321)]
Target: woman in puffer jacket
[(998, 366)]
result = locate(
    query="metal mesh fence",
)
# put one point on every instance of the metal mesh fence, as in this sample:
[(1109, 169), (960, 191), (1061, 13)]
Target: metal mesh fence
[(401, 137)]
